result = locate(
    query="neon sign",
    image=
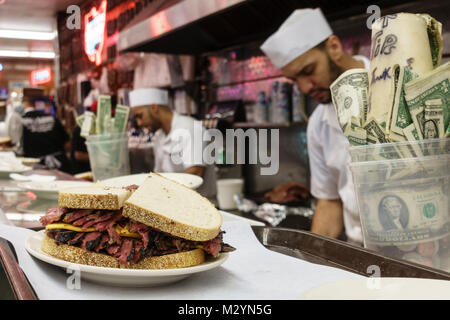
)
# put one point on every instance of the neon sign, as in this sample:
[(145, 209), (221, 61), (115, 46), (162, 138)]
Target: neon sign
[(41, 76), (94, 33)]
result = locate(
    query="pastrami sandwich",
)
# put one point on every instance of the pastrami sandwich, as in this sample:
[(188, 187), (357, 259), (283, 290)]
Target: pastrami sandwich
[(160, 225)]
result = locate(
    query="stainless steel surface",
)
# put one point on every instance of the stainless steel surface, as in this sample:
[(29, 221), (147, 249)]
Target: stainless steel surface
[(22, 208), (17, 279), (170, 19), (335, 253)]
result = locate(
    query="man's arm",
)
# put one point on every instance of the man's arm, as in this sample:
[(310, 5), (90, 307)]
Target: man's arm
[(81, 156), (328, 219), (197, 170)]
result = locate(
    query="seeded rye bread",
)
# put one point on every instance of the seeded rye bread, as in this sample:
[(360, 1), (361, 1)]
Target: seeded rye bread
[(93, 197), (173, 208), (77, 255)]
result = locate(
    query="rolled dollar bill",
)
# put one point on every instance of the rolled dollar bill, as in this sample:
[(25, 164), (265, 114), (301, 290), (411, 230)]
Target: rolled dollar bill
[(398, 116), (401, 39), (350, 95), (103, 113), (88, 126), (121, 118), (433, 85), (80, 120)]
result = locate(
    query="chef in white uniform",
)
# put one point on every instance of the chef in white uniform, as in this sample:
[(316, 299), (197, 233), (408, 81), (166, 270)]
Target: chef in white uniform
[(307, 52), (178, 140)]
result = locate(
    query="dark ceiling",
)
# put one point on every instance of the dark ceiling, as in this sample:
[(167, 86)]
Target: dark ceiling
[(250, 21)]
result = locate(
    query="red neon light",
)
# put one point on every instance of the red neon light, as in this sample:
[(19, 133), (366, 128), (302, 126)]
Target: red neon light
[(41, 76), (94, 33)]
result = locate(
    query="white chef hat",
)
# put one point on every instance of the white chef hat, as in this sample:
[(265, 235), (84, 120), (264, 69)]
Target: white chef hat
[(148, 96), (302, 30)]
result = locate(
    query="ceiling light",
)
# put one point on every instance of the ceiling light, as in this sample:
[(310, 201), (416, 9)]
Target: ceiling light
[(27, 54), (24, 34)]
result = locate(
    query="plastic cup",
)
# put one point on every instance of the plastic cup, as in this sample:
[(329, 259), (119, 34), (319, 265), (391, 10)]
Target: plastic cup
[(404, 200), (108, 155), (226, 189)]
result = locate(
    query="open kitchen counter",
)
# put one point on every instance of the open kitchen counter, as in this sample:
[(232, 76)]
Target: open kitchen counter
[(301, 245)]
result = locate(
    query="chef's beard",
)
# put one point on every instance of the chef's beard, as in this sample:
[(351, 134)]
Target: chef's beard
[(334, 72)]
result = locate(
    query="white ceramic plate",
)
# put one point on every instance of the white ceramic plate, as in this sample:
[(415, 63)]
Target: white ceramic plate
[(49, 190), (381, 289), (4, 174), (190, 180), (120, 277)]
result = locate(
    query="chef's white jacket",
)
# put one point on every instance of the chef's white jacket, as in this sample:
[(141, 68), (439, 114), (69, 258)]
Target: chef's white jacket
[(181, 149), (329, 157)]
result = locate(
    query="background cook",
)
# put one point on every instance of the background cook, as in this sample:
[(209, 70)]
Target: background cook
[(175, 137), (307, 52)]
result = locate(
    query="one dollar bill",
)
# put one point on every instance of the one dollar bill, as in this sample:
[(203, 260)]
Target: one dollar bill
[(103, 113), (433, 85), (121, 118), (350, 95)]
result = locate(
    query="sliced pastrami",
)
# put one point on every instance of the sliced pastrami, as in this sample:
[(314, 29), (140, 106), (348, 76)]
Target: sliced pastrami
[(213, 246), (65, 236), (77, 239), (113, 250), (138, 251), (91, 240), (77, 214), (103, 243), (126, 251), (80, 222), (53, 215), (99, 218)]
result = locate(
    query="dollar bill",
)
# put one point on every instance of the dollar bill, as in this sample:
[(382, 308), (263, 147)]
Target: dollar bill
[(418, 117), (79, 120), (121, 118), (356, 136), (375, 129), (392, 136), (434, 113), (108, 124), (403, 215), (434, 30), (372, 139), (411, 133), (399, 117), (103, 113), (88, 126), (350, 95), (433, 85)]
